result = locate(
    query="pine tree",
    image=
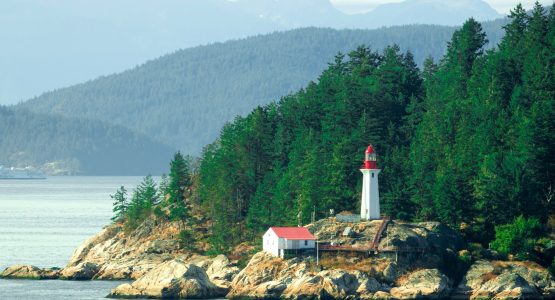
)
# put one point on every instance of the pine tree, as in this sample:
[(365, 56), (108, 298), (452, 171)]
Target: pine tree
[(179, 182), (145, 196), (120, 204)]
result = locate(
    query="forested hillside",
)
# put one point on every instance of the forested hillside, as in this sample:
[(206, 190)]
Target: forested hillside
[(183, 99), (468, 140), (70, 146)]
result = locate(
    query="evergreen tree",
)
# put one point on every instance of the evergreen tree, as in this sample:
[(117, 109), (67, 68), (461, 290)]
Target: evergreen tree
[(145, 196), (178, 184), (467, 140), (120, 204)]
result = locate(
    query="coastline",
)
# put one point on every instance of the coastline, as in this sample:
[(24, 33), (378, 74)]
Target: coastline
[(152, 265)]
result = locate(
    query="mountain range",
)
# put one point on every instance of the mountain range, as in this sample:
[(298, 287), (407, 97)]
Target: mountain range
[(180, 101), (183, 99), (57, 43)]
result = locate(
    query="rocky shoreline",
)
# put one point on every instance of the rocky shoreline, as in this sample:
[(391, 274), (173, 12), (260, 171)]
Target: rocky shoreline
[(151, 256)]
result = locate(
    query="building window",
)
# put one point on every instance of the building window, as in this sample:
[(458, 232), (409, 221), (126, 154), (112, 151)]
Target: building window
[(306, 243)]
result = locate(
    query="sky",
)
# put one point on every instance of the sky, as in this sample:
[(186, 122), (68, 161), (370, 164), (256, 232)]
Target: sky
[(502, 6)]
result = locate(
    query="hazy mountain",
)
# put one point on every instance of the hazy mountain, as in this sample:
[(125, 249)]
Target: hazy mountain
[(69, 146), (56, 43), (426, 12), (184, 98)]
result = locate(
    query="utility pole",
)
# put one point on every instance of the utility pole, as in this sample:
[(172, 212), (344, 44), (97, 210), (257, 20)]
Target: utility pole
[(317, 254)]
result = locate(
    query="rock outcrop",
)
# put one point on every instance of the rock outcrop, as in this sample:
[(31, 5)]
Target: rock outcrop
[(268, 277), (152, 257), (428, 283), (29, 272), (82, 271), (127, 255), (432, 237), (173, 279), (146, 254), (506, 280), (114, 254), (220, 270)]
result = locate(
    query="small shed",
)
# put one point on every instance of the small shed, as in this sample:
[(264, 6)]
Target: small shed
[(278, 240)]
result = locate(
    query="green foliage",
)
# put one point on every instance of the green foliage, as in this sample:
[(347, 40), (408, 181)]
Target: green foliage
[(184, 98), (517, 238), (142, 202), (552, 267), (479, 155), (120, 204), (301, 155), (186, 239), (163, 186), (467, 140), (158, 212), (178, 186)]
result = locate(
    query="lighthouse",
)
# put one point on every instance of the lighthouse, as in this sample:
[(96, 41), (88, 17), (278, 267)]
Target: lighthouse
[(370, 204)]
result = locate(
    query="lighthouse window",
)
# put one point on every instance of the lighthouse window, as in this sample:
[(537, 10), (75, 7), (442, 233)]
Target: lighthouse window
[(372, 175)]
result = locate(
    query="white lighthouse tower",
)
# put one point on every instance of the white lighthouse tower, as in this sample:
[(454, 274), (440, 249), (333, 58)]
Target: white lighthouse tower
[(370, 204)]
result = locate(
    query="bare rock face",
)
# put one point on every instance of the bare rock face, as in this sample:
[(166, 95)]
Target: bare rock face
[(369, 286), (306, 287), (269, 277), (29, 272), (434, 237), (128, 255), (120, 255), (428, 283), (336, 284), (82, 271), (390, 272), (221, 271), (506, 280), (265, 276), (382, 295), (174, 279)]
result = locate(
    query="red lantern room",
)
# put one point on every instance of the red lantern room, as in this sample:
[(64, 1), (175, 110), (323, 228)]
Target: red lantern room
[(370, 159)]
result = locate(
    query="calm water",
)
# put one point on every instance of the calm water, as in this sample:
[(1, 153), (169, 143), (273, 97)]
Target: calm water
[(43, 221)]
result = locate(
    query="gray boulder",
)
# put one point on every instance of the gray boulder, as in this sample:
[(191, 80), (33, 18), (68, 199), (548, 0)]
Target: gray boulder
[(428, 283), (82, 271), (174, 279), (506, 280), (29, 272)]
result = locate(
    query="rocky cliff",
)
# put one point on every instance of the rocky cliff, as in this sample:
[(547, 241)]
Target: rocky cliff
[(425, 265)]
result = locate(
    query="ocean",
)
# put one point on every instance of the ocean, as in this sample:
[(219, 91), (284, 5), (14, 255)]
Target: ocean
[(43, 221)]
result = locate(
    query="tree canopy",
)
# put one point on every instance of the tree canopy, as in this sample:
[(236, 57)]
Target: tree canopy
[(466, 141)]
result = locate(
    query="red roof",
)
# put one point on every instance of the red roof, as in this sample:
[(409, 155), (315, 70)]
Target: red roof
[(293, 233), (370, 149)]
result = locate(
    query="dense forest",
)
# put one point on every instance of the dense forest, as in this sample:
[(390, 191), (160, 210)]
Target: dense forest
[(59, 145), (467, 140), (184, 98)]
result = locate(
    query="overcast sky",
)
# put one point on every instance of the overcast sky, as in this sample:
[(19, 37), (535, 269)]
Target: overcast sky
[(502, 6)]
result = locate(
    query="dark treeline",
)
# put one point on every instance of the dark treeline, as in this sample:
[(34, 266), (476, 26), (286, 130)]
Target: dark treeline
[(468, 140)]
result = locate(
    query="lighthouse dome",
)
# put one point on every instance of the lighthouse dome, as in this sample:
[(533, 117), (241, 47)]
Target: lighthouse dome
[(370, 149)]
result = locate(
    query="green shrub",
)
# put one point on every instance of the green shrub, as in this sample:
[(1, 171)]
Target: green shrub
[(517, 238), (186, 239), (552, 267), (158, 212)]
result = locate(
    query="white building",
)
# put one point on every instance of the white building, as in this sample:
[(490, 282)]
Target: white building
[(277, 240), (370, 203)]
